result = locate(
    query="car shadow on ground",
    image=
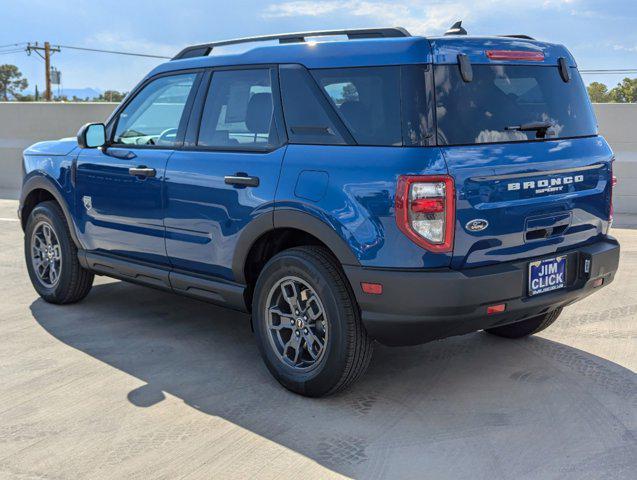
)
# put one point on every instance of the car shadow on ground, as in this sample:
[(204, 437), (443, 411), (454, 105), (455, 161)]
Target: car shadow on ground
[(418, 409)]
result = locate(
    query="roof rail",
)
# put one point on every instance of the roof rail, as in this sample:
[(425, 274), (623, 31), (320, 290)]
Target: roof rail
[(204, 49)]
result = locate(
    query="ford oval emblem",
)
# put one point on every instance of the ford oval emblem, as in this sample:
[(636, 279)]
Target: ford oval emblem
[(477, 225)]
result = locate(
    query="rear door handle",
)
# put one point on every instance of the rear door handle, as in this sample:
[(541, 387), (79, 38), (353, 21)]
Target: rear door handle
[(142, 171), (241, 180)]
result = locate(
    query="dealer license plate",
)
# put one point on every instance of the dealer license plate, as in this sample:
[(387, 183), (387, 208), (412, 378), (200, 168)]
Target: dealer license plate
[(547, 275)]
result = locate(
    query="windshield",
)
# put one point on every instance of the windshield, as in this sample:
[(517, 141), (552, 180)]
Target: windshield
[(510, 103)]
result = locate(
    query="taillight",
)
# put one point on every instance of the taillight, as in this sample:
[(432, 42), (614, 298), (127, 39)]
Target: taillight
[(425, 210), (515, 55), (613, 182)]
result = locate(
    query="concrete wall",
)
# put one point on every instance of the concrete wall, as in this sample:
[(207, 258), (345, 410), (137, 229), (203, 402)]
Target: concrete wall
[(22, 124), (618, 124)]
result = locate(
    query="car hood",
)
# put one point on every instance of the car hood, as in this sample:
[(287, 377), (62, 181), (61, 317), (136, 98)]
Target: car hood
[(64, 146)]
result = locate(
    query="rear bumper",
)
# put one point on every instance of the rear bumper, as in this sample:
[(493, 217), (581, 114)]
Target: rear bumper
[(420, 306)]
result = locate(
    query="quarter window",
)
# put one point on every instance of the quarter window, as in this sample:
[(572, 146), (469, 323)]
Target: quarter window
[(308, 115), (153, 116), (238, 112)]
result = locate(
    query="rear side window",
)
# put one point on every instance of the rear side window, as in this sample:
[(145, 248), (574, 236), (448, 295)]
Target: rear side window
[(417, 105), (367, 101), (238, 112), (502, 98)]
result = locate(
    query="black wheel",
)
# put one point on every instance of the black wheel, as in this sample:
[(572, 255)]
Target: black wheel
[(51, 257), (307, 323), (526, 327)]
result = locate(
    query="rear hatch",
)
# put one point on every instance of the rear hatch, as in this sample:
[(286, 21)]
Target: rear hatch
[(519, 137)]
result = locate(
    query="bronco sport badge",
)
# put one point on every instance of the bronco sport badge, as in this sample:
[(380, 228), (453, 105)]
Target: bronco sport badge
[(545, 185)]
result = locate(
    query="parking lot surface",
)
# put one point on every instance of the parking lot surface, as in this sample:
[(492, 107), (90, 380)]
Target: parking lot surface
[(137, 383)]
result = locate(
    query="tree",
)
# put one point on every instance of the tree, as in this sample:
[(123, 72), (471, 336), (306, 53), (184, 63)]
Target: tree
[(111, 96), (598, 93), (350, 94), (25, 98), (625, 92), (11, 82)]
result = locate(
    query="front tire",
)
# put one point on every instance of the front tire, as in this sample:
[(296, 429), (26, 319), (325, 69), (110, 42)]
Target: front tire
[(307, 323), (51, 257), (527, 327)]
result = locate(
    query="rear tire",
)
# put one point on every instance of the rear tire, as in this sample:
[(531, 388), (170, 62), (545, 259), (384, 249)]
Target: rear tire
[(324, 347), (51, 256), (527, 327)]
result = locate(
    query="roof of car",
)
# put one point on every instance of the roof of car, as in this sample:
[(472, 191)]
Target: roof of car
[(371, 52)]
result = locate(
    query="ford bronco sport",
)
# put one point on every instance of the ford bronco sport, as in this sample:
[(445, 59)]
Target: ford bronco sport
[(378, 187)]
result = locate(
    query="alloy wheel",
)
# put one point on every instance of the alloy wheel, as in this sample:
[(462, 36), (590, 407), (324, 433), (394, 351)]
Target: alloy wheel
[(46, 254), (297, 324)]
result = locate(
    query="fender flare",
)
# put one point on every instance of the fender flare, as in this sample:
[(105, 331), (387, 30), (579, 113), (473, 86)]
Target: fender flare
[(41, 182), (288, 218)]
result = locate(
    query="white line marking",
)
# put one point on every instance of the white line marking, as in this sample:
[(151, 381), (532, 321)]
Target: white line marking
[(8, 219)]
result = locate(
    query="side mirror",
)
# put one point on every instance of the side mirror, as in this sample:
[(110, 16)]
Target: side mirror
[(91, 135)]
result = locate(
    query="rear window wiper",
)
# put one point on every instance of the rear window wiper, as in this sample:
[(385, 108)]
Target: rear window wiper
[(540, 128)]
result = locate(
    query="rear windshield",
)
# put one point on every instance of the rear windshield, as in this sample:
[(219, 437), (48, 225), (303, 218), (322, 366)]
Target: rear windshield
[(509, 103)]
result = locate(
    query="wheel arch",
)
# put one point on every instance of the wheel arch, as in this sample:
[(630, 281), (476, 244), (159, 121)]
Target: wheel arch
[(283, 222), (38, 189)]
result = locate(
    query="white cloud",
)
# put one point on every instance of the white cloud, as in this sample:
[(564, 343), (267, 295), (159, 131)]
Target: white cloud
[(558, 3), (408, 14), (418, 16), (301, 8), (625, 48)]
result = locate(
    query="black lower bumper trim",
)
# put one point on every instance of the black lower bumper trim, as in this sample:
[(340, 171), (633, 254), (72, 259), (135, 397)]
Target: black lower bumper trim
[(419, 306)]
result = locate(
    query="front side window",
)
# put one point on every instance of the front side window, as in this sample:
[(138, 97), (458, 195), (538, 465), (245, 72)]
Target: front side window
[(153, 116), (238, 112), (367, 101), (510, 103)]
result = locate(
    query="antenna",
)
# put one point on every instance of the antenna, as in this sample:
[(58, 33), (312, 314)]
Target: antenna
[(456, 29)]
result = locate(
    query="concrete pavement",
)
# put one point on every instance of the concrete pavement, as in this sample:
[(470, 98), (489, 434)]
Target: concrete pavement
[(136, 383)]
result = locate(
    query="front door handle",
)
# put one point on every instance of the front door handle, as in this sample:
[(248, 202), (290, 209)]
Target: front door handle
[(241, 180), (142, 171)]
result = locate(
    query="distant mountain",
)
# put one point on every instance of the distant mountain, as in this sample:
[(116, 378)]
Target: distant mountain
[(81, 93)]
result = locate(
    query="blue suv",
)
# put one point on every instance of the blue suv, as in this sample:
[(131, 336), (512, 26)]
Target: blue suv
[(379, 187)]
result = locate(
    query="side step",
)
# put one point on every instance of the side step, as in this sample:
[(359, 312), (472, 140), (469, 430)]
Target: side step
[(227, 294)]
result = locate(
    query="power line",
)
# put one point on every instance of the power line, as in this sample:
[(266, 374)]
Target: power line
[(13, 44), (608, 72), (7, 52), (113, 52), (11, 48)]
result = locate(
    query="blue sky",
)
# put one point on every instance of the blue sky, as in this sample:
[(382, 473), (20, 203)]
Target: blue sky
[(601, 34)]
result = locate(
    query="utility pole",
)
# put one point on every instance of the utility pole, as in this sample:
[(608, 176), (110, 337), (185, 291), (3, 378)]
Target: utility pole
[(48, 51), (47, 67)]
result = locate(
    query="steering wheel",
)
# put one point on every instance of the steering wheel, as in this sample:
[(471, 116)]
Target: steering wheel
[(163, 137)]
